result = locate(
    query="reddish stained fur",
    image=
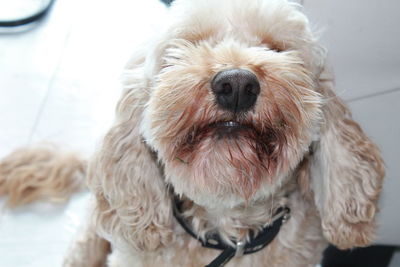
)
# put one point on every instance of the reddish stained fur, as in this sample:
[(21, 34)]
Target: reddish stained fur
[(274, 124), (275, 119)]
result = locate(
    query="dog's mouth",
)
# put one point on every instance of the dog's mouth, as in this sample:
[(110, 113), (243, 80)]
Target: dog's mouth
[(229, 129), (262, 140), (228, 124), (220, 130)]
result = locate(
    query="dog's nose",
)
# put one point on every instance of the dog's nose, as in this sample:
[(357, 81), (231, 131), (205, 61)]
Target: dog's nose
[(236, 89)]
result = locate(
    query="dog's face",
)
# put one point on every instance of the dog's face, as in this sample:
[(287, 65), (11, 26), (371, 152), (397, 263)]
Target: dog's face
[(233, 105), (230, 97)]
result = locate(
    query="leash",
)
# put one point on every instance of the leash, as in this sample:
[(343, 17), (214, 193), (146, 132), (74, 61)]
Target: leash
[(256, 243)]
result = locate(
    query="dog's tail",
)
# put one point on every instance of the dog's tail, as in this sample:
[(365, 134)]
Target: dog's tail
[(40, 172)]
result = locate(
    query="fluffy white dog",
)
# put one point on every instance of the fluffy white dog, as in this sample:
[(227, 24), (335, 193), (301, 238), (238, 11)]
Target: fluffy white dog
[(228, 125)]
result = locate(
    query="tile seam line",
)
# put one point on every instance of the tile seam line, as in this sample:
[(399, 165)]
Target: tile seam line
[(385, 92), (49, 87)]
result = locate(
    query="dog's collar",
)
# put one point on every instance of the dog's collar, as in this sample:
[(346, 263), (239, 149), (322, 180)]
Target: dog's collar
[(213, 240)]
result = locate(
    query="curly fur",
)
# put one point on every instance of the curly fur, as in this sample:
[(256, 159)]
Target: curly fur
[(300, 146), (40, 172)]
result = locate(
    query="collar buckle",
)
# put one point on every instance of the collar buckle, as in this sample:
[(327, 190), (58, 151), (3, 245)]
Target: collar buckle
[(239, 248), (256, 243)]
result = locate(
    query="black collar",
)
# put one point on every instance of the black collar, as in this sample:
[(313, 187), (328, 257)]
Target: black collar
[(213, 240)]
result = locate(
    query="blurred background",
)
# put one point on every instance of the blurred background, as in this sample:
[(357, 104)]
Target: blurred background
[(59, 82)]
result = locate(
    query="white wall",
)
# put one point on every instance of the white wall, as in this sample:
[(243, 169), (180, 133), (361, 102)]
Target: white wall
[(363, 38)]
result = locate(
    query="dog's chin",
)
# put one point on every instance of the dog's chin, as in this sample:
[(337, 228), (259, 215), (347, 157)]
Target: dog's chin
[(227, 159)]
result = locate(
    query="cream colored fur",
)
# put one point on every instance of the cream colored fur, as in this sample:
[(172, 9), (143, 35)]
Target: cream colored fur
[(40, 172), (319, 162)]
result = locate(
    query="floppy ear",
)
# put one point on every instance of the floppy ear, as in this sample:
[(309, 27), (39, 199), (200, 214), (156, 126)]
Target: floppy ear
[(132, 202), (347, 174)]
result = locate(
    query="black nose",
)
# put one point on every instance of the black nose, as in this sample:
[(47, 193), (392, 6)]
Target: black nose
[(235, 90)]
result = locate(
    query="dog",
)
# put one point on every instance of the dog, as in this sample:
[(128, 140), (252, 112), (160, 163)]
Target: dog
[(229, 147)]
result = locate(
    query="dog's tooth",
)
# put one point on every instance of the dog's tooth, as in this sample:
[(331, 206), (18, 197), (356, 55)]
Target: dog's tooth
[(230, 124)]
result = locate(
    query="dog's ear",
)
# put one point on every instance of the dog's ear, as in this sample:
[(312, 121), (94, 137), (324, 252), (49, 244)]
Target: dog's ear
[(347, 174), (132, 201)]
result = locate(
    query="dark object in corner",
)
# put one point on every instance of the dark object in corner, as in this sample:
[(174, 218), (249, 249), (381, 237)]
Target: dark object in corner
[(374, 256), (167, 2), (28, 19)]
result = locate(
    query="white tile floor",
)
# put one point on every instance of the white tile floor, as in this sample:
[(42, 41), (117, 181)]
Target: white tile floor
[(59, 82)]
